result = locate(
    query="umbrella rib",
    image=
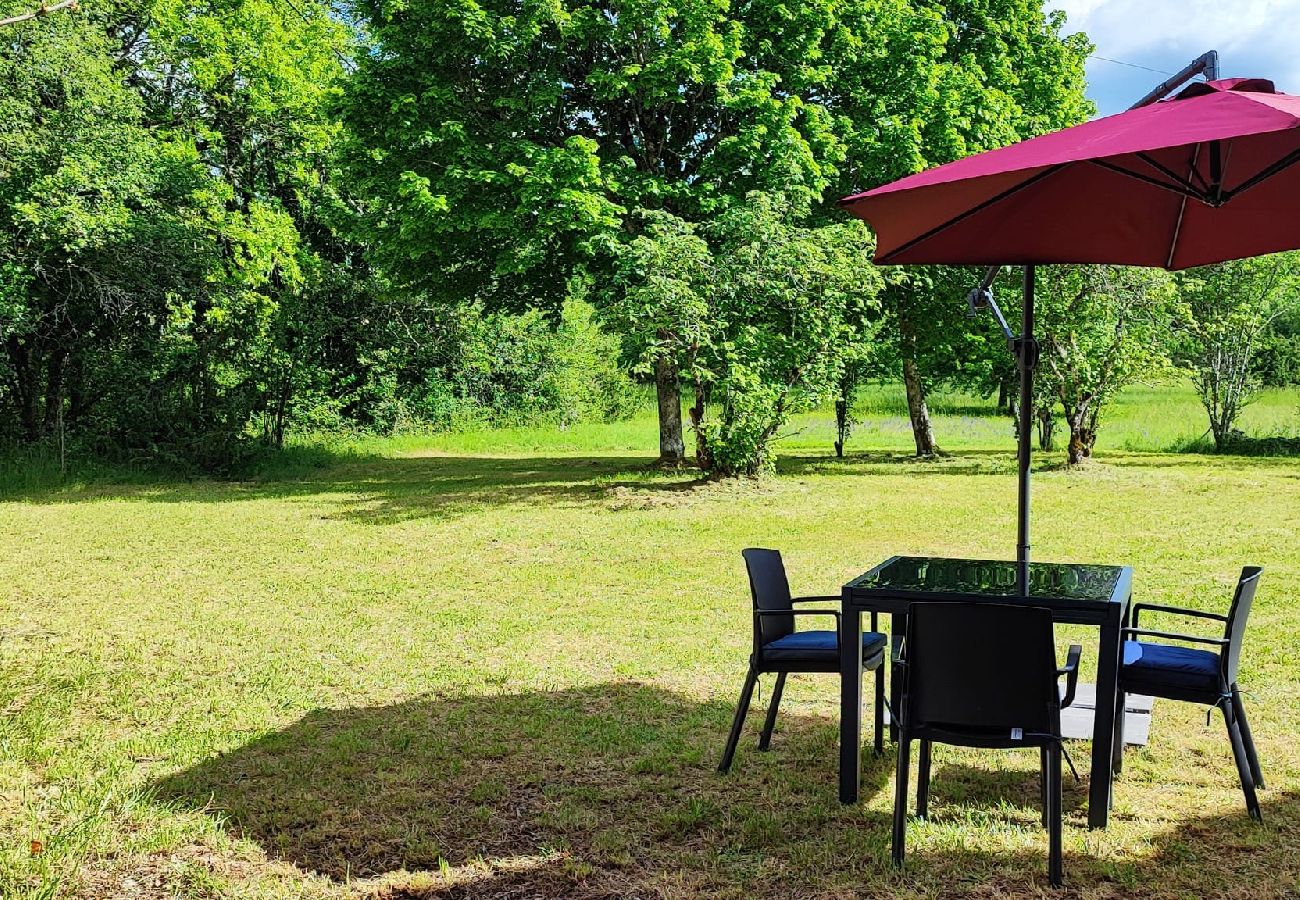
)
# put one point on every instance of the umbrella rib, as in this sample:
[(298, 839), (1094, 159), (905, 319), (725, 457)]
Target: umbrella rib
[(1182, 207), (1282, 164), (1167, 172), (979, 207), (1146, 179)]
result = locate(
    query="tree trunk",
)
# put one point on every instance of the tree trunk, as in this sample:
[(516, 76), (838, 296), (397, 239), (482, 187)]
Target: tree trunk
[(668, 388), (1006, 394), (703, 453), (841, 426), (1083, 435), (54, 390), (25, 389), (922, 429), (1046, 428)]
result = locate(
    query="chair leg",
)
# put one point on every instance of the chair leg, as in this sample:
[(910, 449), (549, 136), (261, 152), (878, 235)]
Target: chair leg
[(1246, 738), (1117, 761), (900, 797), (1055, 874), (923, 782), (1043, 786), (746, 694), (1243, 765), (765, 740), (880, 709)]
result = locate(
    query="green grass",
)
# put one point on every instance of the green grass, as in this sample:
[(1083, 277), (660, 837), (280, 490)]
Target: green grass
[(503, 665)]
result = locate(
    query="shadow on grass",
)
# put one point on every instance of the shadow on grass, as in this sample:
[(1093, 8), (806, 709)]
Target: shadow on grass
[(611, 791), (965, 462), (611, 785), (383, 489)]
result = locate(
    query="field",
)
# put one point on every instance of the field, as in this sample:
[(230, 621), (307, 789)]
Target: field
[(503, 664)]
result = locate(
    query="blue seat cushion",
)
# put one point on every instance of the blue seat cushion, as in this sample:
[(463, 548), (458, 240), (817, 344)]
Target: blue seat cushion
[(1180, 667), (817, 646)]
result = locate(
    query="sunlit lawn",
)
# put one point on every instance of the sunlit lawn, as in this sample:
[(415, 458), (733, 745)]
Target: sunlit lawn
[(503, 665)]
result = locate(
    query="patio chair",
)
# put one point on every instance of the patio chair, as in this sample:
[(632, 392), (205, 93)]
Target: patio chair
[(780, 649), (983, 675), (1197, 676)]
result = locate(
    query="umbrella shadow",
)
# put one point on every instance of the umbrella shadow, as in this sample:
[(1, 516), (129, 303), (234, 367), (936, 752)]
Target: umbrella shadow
[(531, 794)]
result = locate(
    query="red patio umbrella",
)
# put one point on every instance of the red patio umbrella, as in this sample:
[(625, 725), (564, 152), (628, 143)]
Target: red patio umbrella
[(1205, 176)]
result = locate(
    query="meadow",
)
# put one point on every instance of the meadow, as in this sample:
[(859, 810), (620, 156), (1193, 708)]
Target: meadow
[(503, 664)]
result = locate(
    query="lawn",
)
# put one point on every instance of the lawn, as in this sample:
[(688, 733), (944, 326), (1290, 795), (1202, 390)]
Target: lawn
[(503, 664)]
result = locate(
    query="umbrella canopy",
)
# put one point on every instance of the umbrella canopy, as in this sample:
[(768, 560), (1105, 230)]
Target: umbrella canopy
[(1206, 176)]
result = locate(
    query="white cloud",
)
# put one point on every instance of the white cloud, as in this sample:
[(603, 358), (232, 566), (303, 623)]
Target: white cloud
[(1253, 37)]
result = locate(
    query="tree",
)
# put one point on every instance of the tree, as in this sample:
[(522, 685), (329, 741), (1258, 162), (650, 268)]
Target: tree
[(663, 283), (785, 298), (1101, 328), (1230, 308), (959, 78), (507, 148)]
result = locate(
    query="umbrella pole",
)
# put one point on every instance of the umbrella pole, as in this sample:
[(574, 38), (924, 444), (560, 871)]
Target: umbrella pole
[(1027, 356)]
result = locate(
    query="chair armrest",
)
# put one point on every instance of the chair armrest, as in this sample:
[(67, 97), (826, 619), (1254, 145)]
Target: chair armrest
[(1170, 636), (825, 599), (1137, 609), (801, 612), (1071, 672)]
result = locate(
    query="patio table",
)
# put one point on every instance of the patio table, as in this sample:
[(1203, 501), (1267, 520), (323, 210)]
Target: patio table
[(1075, 593)]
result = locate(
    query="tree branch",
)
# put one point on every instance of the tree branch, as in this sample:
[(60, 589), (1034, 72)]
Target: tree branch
[(39, 11)]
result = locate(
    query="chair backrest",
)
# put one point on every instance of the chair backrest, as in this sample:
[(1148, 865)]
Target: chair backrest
[(981, 668), (771, 591), (1237, 615)]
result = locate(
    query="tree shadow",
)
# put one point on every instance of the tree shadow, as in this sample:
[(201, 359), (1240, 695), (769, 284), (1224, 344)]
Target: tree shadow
[(965, 462), (612, 787), (385, 490), (611, 791), (1225, 854)]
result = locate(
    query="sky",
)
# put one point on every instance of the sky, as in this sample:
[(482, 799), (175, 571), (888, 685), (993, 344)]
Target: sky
[(1255, 38)]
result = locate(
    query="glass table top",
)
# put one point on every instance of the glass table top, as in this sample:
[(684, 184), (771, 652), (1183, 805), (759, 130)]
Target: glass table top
[(994, 578)]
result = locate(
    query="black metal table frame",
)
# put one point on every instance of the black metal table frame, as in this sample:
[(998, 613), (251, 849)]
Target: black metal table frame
[(1108, 616)]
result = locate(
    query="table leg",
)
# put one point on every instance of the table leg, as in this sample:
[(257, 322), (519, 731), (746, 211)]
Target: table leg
[(897, 629), (1103, 728), (850, 701)]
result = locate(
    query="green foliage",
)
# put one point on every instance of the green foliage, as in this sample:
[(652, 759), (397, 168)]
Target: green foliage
[(1101, 328), (1229, 310), (787, 298), (1277, 361)]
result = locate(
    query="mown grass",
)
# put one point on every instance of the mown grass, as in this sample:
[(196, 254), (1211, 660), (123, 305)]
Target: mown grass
[(503, 665)]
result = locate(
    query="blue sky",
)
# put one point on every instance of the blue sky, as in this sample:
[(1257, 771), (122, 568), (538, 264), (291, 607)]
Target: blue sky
[(1253, 37)]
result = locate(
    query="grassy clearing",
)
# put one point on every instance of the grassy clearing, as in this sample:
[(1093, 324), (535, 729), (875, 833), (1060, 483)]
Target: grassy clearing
[(1158, 418), (421, 670)]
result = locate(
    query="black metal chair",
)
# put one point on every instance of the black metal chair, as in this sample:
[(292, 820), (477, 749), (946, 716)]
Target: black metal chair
[(779, 648), (983, 675), (1197, 676)]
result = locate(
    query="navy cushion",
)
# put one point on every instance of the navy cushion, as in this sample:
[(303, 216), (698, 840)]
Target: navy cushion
[(802, 646), (1181, 667)]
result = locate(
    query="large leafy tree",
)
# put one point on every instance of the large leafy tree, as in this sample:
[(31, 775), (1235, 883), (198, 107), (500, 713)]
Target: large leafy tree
[(981, 74), (509, 147), (165, 194)]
